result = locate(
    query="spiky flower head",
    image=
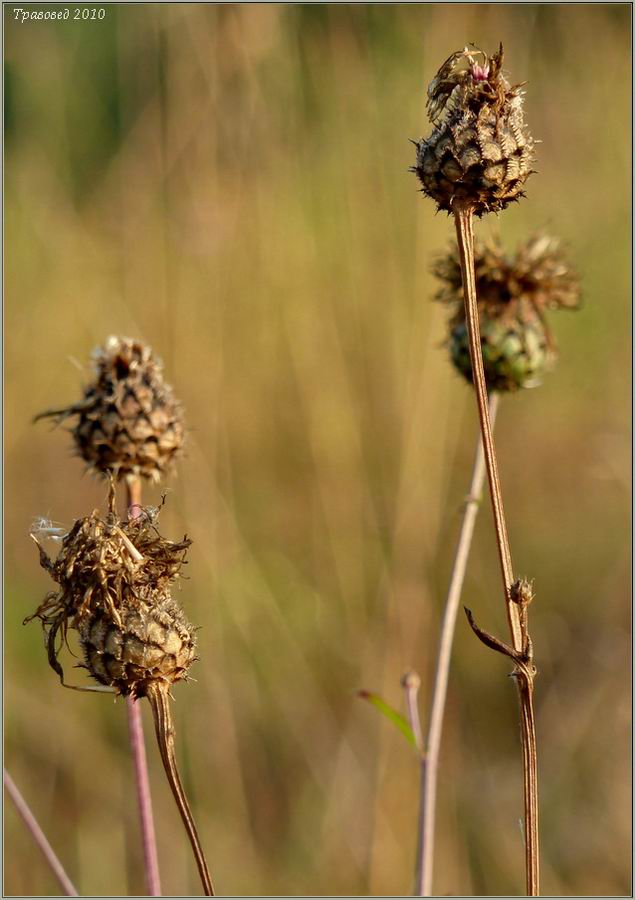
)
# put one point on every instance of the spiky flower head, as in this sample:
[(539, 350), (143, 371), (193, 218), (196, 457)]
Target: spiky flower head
[(480, 151), (114, 581), (129, 422), (512, 294)]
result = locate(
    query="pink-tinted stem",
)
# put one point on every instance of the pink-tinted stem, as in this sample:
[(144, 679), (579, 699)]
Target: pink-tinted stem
[(144, 799), (38, 835), (138, 748)]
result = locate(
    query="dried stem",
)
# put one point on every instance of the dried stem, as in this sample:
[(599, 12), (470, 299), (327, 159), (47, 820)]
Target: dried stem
[(144, 799), (525, 684), (430, 767), (157, 694), (138, 749), (38, 835), (463, 216), (465, 237)]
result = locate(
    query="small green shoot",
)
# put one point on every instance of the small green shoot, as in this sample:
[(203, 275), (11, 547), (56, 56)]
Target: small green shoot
[(391, 714)]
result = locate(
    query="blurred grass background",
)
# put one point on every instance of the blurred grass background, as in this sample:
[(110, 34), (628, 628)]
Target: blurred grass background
[(230, 184)]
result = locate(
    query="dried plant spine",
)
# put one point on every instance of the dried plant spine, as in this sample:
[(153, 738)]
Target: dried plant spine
[(129, 423), (513, 294), (480, 151)]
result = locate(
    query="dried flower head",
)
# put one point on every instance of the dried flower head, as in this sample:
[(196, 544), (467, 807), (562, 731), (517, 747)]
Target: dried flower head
[(114, 580), (480, 151), (513, 294), (129, 422)]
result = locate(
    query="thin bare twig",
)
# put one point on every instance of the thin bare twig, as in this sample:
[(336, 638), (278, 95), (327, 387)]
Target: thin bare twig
[(138, 750), (38, 835), (463, 217), (430, 768)]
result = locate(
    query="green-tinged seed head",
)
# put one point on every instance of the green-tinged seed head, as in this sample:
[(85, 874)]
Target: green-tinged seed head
[(513, 294), (515, 353)]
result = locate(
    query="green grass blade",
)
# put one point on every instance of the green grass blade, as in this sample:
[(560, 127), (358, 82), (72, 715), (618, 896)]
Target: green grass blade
[(391, 714)]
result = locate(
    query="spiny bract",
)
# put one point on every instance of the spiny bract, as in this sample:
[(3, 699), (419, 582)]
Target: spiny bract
[(480, 151), (129, 423), (512, 295)]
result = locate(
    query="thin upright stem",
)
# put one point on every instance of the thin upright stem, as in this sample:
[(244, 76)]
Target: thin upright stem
[(465, 236), (144, 799), (138, 750), (38, 835), (521, 648), (411, 684), (530, 769), (157, 694), (430, 767)]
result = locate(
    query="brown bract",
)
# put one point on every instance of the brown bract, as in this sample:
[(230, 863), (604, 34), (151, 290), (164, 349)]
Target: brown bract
[(114, 580), (480, 152), (129, 422), (537, 275)]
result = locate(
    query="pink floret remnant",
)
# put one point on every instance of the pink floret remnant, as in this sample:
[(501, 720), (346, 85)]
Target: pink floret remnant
[(480, 73)]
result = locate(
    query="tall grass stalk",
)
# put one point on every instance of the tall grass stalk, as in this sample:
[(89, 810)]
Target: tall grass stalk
[(38, 835), (430, 759), (520, 650)]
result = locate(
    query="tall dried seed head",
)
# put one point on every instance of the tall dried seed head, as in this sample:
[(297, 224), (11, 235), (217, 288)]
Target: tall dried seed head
[(129, 422), (513, 294), (480, 151), (114, 587)]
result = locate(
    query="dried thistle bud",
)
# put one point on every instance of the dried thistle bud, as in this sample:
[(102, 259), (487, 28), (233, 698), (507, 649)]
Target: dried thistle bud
[(129, 422), (154, 642), (480, 151), (522, 592), (114, 579), (512, 294)]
